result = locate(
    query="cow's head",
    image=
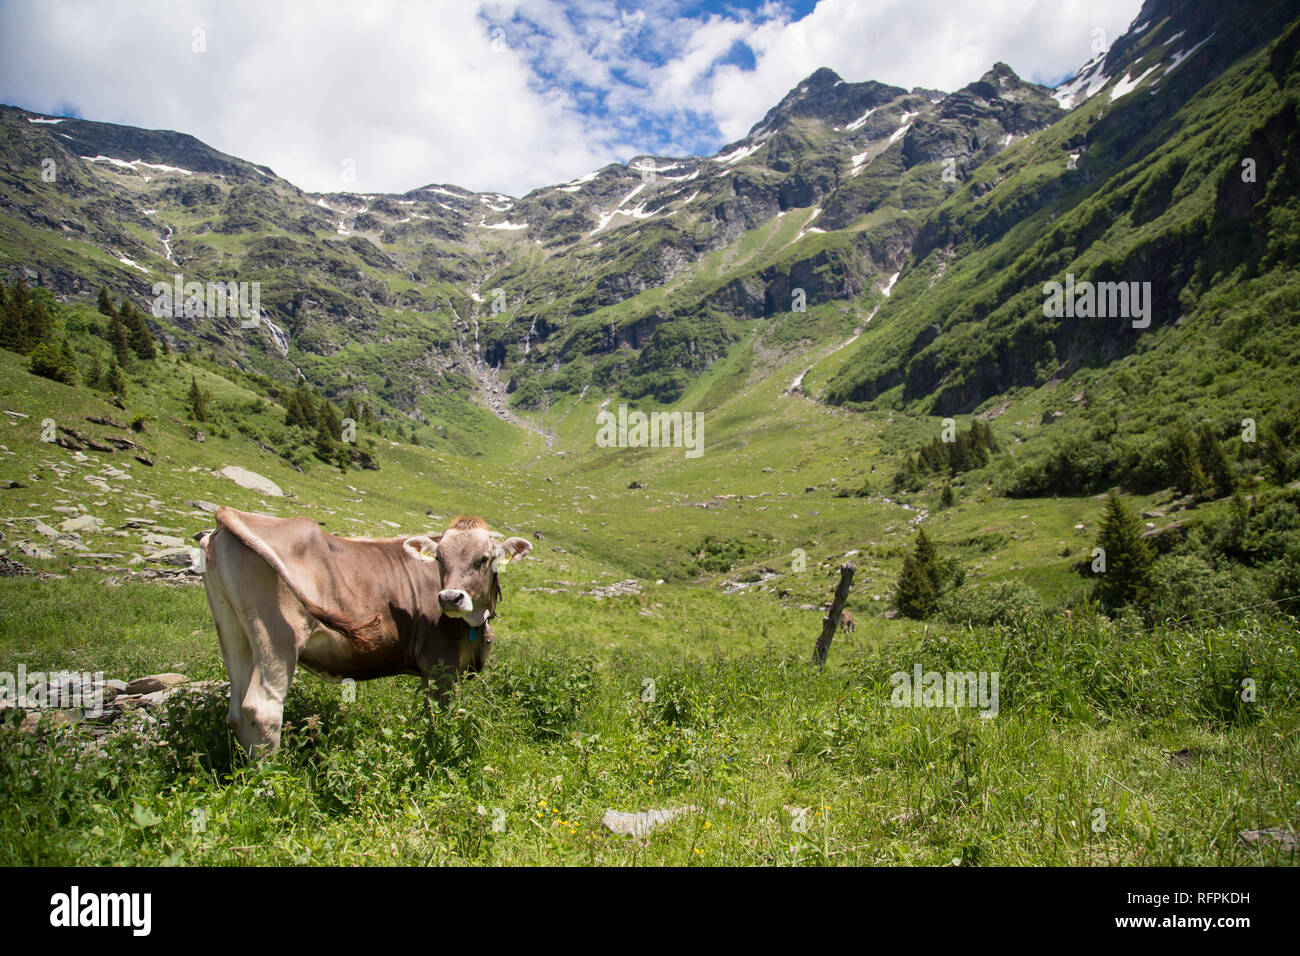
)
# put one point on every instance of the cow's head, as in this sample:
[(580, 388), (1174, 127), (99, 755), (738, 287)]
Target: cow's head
[(468, 556)]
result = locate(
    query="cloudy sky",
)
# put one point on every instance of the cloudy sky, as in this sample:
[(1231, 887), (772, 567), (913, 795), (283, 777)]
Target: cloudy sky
[(501, 95)]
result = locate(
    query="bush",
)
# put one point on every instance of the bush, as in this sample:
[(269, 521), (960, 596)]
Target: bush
[(55, 362), (1183, 585), (1003, 602)]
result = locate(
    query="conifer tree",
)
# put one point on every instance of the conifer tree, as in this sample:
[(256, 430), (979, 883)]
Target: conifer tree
[(116, 381), (914, 595), (1185, 470), (197, 402), (1214, 460), (106, 302), (119, 340), (138, 334), (1128, 560)]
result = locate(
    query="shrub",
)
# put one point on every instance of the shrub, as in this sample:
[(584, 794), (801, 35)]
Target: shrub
[(1002, 602)]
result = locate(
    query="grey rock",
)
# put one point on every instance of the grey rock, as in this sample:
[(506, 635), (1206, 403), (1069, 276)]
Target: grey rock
[(82, 523), (35, 551), (642, 823), (154, 682), (251, 480)]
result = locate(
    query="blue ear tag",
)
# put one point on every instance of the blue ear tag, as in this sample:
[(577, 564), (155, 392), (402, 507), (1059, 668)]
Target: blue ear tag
[(473, 634)]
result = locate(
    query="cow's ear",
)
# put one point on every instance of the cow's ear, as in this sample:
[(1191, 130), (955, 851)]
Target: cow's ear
[(423, 547), (510, 549)]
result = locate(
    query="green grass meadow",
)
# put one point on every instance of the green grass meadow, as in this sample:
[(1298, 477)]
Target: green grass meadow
[(1115, 742)]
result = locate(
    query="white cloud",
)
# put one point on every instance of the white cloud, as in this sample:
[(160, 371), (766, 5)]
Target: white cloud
[(496, 94)]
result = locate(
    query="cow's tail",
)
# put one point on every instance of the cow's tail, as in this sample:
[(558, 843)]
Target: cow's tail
[(231, 521)]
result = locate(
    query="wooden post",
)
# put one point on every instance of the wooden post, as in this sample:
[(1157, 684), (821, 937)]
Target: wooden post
[(832, 618)]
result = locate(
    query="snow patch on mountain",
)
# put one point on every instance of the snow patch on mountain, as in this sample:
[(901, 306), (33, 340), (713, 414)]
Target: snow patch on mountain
[(736, 155), (1086, 84), (138, 162), (42, 119), (1127, 85), (1181, 55), (860, 121)]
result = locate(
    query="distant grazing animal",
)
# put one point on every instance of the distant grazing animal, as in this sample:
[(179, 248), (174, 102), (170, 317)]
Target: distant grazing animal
[(284, 592), (846, 622)]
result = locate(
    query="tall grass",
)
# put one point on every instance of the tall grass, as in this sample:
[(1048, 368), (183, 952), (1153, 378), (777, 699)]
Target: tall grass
[(518, 767)]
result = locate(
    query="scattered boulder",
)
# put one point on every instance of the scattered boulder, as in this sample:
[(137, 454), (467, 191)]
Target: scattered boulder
[(162, 540), (630, 586), (251, 480), (82, 523), (42, 528), (207, 506), (35, 551), (153, 683), (641, 824)]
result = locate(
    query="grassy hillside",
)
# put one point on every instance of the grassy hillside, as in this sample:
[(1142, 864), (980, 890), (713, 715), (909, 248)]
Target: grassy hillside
[(556, 732)]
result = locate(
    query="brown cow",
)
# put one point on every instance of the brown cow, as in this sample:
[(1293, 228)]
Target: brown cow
[(846, 622), (284, 592)]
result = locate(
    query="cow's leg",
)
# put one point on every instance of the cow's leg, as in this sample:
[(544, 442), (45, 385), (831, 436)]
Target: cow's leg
[(275, 658), (235, 649), (263, 651)]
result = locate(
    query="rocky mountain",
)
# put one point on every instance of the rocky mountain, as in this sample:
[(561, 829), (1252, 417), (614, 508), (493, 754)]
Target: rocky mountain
[(934, 217)]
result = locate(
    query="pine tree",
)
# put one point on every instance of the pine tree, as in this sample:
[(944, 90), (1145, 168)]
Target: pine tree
[(197, 402), (945, 496), (138, 334), (1128, 560), (1215, 461), (914, 595), (118, 339), (11, 319), (38, 318), (293, 411), (1185, 472), (95, 372), (117, 381), (106, 302), (927, 557), (327, 420)]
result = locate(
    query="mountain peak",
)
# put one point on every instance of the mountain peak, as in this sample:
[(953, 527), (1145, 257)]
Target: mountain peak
[(826, 96), (823, 76)]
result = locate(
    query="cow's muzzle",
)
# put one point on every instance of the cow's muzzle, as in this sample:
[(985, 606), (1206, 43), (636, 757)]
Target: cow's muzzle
[(455, 602)]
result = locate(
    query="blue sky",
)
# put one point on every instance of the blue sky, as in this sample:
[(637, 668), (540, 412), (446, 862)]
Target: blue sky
[(501, 95)]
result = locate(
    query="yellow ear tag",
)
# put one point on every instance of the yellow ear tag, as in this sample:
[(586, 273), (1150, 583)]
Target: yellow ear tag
[(426, 555)]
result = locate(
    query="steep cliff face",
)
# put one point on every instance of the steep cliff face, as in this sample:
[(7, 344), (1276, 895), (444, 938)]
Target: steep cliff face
[(1175, 171)]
